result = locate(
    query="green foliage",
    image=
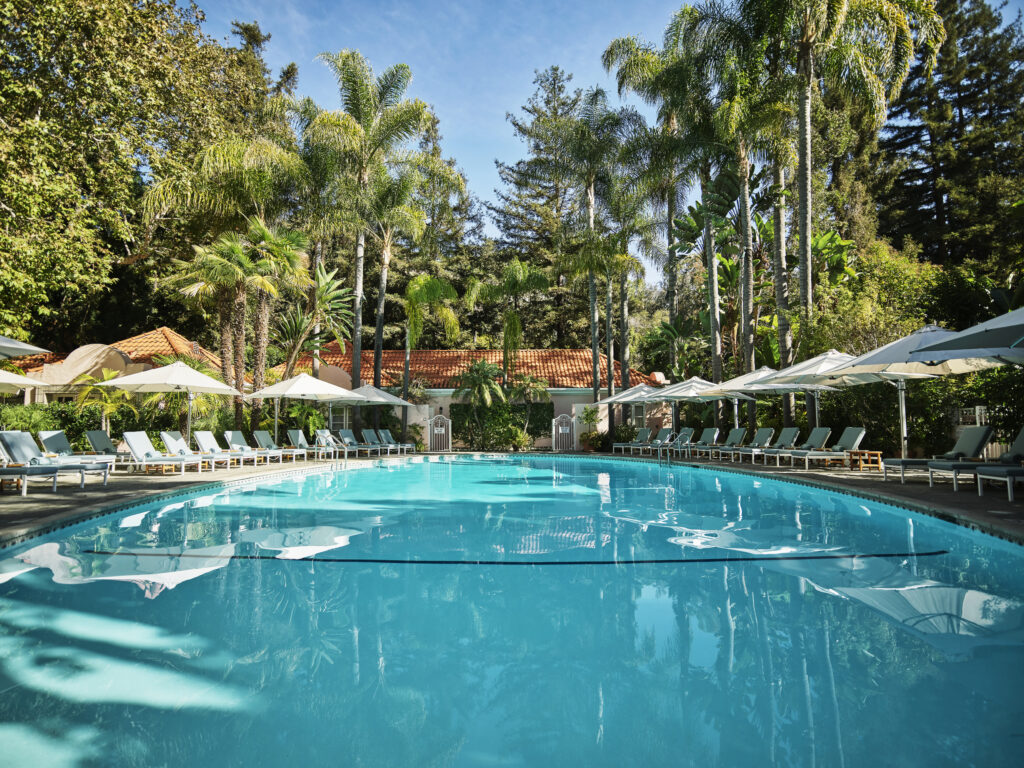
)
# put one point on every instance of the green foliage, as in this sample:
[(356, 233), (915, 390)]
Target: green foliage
[(503, 425)]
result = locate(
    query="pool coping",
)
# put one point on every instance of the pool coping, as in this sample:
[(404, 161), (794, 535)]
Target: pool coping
[(945, 514)]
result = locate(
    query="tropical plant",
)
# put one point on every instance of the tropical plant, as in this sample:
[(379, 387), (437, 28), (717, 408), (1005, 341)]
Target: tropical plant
[(109, 400), (478, 387), (528, 389), (375, 121), (300, 330), (425, 295)]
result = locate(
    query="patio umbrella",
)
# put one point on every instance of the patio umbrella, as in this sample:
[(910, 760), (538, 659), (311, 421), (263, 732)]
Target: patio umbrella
[(13, 348), (895, 362), (802, 376), (1001, 336), (635, 394), (176, 377), (305, 387), (682, 391), (734, 389), (376, 396), (13, 382)]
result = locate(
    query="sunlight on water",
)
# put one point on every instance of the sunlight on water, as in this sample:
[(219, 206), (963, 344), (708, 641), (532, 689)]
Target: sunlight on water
[(513, 612)]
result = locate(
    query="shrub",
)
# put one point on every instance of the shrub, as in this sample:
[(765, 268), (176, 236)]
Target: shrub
[(498, 419)]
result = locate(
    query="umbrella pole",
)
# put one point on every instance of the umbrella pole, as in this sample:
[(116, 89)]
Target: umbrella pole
[(188, 429), (901, 388), (736, 412), (277, 405), (817, 408)]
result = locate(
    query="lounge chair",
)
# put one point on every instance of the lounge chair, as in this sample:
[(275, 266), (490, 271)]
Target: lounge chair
[(176, 446), (708, 437), (23, 473), (236, 442), (683, 438), (969, 445), (848, 441), (266, 442), (992, 472), (786, 442), (370, 438), (1010, 458), (348, 439), (389, 439), (732, 440), (208, 444), (20, 448), (298, 438), (642, 436), (56, 442), (762, 439), (101, 443), (815, 442), (147, 457), (664, 437)]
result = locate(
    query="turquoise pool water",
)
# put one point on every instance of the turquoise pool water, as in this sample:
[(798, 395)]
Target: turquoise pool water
[(562, 611)]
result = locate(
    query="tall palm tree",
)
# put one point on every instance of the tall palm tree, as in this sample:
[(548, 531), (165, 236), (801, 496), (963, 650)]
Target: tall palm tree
[(279, 256), (375, 121), (587, 145), (426, 295), (861, 48), (516, 282)]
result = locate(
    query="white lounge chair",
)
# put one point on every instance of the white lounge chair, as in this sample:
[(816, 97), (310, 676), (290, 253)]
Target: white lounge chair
[(146, 456), (208, 444), (19, 448), (266, 442), (762, 439), (176, 446), (787, 441), (236, 442), (56, 442)]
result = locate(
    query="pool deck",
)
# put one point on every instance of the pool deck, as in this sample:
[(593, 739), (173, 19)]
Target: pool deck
[(22, 517)]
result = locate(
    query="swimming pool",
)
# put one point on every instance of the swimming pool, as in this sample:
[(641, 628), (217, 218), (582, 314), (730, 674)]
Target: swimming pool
[(513, 611)]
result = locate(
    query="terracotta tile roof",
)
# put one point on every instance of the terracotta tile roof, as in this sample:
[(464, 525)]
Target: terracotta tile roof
[(140, 349), (437, 368)]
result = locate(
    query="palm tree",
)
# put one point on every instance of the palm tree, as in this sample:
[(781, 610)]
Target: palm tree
[(279, 256), (586, 146), (298, 329), (528, 389), (478, 385), (425, 295), (375, 121), (109, 400), (516, 282), (858, 47)]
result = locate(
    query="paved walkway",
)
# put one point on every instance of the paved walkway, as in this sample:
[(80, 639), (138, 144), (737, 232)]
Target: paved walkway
[(991, 513)]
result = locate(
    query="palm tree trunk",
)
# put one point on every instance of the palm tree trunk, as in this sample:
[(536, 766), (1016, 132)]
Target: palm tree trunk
[(261, 340), (238, 328), (624, 381), (405, 384), (378, 334), (806, 69), (713, 301), (594, 319), (671, 273), (226, 344), (318, 259), (357, 322), (609, 324), (747, 276), (781, 279)]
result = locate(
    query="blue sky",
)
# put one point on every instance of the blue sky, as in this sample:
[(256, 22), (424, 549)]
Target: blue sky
[(472, 60)]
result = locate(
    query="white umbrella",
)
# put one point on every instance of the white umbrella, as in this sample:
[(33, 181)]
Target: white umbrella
[(809, 371), (13, 348), (685, 390), (176, 377), (380, 397), (305, 387), (635, 394), (895, 362), (1001, 336), (13, 382), (734, 388)]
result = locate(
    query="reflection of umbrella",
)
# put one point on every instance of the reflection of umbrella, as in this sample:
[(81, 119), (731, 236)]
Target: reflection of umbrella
[(305, 387), (894, 362), (12, 382), (300, 543), (176, 377), (1001, 336), (12, 348)]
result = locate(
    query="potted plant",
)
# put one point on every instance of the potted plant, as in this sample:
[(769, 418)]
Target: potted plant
[(590, 438)]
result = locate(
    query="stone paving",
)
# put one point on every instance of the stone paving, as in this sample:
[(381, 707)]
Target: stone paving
[(42, 509)]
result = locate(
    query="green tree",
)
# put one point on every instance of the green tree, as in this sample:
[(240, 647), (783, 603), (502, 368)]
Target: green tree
[(109, 400), (478, 386), (300, 328), (527, 389)]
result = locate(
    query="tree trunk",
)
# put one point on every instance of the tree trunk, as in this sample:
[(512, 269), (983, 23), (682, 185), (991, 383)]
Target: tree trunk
[(781, 279), (261, 340), (357, 322), (671, 273), (713, 302), (378, 334), (624, 381), (806, 69), (747, 274), (594, 319), (238, 328), (226, 344), (609, 323), (318, 259), (405, 385)]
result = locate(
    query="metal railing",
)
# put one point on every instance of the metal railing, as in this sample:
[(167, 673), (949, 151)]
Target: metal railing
[(439, 434)]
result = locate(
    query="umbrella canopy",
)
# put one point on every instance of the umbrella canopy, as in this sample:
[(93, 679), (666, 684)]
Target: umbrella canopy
[(12, 382), (176, 377), (808, 371), (13, 348), (684, 390), (379, 396), (637, 394), (305, 387), (1001, 336), (741, 383)]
